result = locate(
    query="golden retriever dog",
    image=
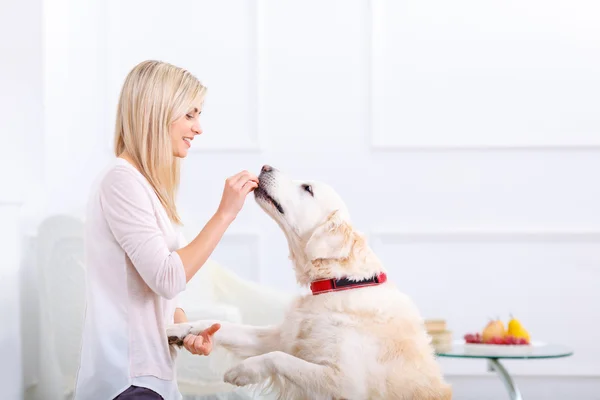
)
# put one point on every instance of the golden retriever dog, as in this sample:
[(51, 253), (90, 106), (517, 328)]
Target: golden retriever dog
[(354, 336)]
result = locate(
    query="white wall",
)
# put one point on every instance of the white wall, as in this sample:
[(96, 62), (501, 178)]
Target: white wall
[(20, 128), (464, 136)]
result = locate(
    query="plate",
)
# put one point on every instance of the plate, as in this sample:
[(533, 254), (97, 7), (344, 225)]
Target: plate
[(500, 350)]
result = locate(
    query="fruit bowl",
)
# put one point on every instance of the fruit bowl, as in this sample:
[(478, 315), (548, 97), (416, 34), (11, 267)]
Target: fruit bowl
[(499, 350), (505, 340), (495, 337)]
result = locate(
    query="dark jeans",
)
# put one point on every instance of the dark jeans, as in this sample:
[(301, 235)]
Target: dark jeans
[(138, 393)]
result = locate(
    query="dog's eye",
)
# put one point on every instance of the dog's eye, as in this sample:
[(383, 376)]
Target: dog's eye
[(308, 188)]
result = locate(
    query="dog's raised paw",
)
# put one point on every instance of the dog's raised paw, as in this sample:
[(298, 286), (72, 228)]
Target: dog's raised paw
[(177, 332), (243, 374)]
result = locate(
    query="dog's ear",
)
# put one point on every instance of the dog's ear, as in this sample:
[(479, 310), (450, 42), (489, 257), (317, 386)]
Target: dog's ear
[(331, 240)]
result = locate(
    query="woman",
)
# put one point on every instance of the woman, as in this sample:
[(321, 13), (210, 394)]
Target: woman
[(135, 263)]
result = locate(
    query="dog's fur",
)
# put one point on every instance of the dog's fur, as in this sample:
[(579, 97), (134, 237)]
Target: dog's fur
[(361, 343)]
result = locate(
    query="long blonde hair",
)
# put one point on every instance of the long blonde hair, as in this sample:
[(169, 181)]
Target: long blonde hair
[(154, 95)]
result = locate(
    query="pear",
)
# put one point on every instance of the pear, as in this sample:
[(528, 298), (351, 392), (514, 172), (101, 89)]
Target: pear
[(494, 329), (517, 330)]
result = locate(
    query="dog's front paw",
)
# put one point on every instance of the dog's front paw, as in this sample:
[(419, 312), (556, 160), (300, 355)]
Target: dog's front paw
[(248, 372), (177, 332)]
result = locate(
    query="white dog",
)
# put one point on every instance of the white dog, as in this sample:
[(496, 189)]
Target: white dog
[(354, 337)]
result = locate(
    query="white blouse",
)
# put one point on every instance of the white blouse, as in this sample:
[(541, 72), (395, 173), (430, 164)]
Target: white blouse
[(133, 276)]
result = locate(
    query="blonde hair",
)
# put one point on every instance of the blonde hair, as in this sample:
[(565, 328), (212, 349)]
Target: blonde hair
[(154, 95)]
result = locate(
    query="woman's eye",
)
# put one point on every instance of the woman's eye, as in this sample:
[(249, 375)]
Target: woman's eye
[(308, 188), (189, 116)]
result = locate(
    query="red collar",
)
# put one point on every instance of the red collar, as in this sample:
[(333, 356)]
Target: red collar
[(335, 285)]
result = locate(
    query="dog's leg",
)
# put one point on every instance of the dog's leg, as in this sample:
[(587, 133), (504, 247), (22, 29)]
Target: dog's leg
[(242, 340), (303, 374)]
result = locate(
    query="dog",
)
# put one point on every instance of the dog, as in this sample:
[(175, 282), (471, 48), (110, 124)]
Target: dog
[(355, 336)]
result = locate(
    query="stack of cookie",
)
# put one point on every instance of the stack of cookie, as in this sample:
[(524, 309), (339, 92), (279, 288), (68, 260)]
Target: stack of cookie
[(441, 337)]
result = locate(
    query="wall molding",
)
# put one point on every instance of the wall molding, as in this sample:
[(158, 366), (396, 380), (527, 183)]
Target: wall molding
[(255, 144), (563, 368), (382, 148), (377, 81), (486, 235), (11, 203), (522, 374)]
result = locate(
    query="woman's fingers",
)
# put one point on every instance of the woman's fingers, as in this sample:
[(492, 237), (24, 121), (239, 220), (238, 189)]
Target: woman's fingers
[(188, 343), (204, 349), (198, 344), (244, 178), (235, 179), (232, 181), (248, 187), (201, 346), (211, 330)]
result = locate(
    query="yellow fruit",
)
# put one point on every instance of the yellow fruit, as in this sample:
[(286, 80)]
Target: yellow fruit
[(515, 329), (494, 329)]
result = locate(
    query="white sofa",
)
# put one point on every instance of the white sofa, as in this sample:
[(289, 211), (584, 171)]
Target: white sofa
[(53, 314)]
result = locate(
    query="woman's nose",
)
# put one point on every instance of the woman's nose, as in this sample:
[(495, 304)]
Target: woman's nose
[(196, 128)]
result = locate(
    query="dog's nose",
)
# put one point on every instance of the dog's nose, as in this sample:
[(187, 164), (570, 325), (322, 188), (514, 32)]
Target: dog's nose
[(266, 168)]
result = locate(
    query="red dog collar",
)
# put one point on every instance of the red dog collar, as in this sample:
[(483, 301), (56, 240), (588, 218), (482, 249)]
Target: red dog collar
[(334, 285)]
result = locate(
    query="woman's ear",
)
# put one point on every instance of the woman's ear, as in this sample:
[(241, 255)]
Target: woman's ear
[(332, 239)]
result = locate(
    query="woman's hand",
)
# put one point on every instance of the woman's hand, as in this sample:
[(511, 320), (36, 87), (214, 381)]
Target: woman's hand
[(202, 343), (236, 189), (195, 254)]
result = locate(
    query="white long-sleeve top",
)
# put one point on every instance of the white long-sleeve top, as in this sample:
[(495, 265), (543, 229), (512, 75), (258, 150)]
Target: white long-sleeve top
[(133, 276)]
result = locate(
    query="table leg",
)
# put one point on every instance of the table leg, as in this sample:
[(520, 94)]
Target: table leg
[(505, 377)]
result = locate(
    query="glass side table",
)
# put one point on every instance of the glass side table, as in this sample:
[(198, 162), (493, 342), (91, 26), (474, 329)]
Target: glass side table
[(494, 353)]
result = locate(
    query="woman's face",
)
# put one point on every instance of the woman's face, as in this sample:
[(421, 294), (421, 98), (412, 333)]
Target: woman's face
[(183, 131)]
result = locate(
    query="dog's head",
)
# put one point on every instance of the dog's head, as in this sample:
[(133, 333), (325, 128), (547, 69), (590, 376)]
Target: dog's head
[(316, 223)]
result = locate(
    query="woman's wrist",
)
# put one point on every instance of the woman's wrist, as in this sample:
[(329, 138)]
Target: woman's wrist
[(224, 217), (195, 254)]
